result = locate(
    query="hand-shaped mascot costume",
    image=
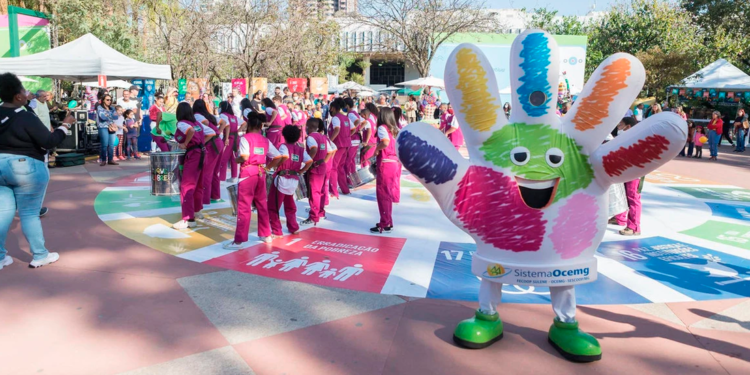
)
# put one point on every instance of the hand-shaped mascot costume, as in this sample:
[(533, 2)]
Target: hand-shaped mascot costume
[(534, 192)]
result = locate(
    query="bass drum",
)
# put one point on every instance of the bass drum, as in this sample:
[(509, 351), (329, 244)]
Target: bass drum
[(299, 194)]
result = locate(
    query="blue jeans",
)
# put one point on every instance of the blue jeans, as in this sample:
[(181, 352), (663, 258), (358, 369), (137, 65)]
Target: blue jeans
[(713, 142), (740, 141), (23, 183), (108, 145)]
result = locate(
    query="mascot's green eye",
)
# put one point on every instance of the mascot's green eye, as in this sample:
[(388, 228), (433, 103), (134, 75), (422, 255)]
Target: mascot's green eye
[(555, 157), (520, 155)]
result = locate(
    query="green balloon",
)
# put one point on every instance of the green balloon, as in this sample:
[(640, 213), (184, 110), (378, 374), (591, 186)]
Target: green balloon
[(72, 104)]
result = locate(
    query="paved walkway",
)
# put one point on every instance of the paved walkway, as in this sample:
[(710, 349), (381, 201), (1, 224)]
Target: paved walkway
[(112, 306)]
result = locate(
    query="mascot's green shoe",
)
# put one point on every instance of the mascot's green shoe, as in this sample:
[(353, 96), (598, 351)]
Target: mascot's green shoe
[(479, 332), (574, 344)]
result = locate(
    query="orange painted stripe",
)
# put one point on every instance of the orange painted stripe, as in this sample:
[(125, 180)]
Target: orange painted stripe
[(472, 82), (595, 107)]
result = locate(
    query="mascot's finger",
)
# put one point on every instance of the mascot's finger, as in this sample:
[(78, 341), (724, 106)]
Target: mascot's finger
[(604, 100), (534, 75), (640, 150), (472, 90), (429, 156)]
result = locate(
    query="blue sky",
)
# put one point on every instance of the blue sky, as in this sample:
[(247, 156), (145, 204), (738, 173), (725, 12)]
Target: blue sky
[(564, 7)]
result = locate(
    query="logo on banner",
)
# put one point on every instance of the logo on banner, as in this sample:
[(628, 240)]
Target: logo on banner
[(102, 81)]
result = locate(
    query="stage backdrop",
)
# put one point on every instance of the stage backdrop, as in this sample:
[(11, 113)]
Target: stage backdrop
[(240, 84), (497, 49), (34, 36)]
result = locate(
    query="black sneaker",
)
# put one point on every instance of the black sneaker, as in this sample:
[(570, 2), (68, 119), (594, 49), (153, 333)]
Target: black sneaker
[(43, 211), (307, 221), (378, 229)]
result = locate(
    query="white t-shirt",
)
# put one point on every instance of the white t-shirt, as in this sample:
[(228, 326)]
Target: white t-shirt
[(335, 122), (454, 122), (130, 104), (119, 121), (246, 112), (330, 147), (289, 185), (224, 117), (352, 118), (638, 114), (269, 112), (273, 153), (295, 118), (183, 126), (382, 132), (629, 113), (206, 129)]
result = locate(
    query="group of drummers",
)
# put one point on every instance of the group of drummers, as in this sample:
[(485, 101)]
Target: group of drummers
[(280, 147)]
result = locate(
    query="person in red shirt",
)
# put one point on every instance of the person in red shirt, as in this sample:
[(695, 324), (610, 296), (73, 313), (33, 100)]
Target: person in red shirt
[(715, 127)]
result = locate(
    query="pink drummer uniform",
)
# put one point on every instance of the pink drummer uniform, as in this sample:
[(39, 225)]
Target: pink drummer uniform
[(357, 122), (449, 126), (285, 182), (337, 176), (371, 138), (275, 116), (388, 179), (214, 148), (232, 143), (191, 183), (319, 147), (255, 149)]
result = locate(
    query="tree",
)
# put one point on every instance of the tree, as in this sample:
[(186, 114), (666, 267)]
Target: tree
[(306, 46), (419, 27), (109, 21), (664, 69), (543, 18), (644, 25), (728, 28)]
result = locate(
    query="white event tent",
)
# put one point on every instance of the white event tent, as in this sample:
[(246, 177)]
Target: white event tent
[(83, 59), (720, 75)]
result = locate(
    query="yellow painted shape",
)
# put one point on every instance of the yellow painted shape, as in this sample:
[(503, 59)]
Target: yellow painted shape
[(480, 114), (216, 226), (420, 195)]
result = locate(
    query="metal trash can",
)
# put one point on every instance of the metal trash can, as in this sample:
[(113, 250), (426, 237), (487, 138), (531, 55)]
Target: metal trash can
[(301, 192), (232, 190), (166, 172), (174, 146)]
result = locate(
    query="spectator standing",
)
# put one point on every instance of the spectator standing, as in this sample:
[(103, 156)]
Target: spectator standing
[(23, 139), (715, 131), (106, 115), (740, 131), (638, 112)]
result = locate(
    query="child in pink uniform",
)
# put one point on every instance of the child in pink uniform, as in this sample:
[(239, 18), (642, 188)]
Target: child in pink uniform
[(295, 161), (321, 151), (388, 180), (369, 137), (340, 133), (357, 123), (449, 126), (214, 149), (632, 218), (275, 121), (231, 125), (190, 135), (254, 149)]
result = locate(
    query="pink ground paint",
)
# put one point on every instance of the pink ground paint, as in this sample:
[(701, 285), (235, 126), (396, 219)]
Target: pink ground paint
[(489, 205), (575, 226)]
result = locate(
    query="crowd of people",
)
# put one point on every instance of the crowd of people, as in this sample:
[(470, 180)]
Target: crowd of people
[(268, 145), (718, 129)]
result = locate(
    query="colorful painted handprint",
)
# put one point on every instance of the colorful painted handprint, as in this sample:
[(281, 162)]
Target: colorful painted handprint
[(533, 193)]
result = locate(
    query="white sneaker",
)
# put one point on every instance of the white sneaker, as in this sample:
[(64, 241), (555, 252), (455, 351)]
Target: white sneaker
[(268, 239), (184, 224), (51, 258), (230, 245), (199, 215), (7, 261)]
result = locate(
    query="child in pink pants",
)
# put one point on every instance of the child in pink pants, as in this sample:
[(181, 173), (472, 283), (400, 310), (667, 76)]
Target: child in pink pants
[(340, 133), (254, 149), (190, 135), (320, 150), (294, 162), (388, 180)]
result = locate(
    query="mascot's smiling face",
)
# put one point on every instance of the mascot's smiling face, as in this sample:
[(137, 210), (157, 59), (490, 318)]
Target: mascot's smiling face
[(547, 164)]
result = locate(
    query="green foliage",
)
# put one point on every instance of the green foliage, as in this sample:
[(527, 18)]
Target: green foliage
[(543, 18), (108, 22)]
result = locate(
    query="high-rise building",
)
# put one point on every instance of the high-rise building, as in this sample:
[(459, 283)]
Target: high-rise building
[(345, 6), (324, 8)]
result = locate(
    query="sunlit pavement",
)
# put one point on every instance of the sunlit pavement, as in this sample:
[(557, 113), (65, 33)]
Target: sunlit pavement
[(112, 305)]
